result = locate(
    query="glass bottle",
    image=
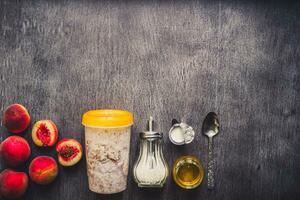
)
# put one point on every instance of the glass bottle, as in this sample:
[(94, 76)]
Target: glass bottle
[(151, 168)]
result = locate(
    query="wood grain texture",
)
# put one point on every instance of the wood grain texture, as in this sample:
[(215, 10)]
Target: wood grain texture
[(169, 59)]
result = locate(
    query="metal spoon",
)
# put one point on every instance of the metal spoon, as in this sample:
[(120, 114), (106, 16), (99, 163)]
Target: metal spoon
[(210, 128)]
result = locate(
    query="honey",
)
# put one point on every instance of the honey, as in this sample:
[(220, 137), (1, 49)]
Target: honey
[(188, 172)]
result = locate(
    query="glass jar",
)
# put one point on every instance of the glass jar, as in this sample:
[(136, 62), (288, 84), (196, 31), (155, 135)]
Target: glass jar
[(188, 172), (150, 169), (107, 143)]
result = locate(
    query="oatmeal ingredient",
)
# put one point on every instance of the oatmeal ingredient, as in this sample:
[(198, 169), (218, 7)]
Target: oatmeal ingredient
[(107, 143), (107, 159), (69, 152), (181, 133), (16, 118), (151, 168), (188, 172), (14, 150), (43, 170), (13, 184), (44, 133)]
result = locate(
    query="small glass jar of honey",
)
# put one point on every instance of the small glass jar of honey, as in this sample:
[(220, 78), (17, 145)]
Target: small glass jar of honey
[(188, 172)]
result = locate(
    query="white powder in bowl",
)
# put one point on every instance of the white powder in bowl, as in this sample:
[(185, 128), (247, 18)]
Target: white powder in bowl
[(177, 135)]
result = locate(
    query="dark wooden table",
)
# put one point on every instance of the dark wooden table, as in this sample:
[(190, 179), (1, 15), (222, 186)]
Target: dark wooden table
[(170, 60)]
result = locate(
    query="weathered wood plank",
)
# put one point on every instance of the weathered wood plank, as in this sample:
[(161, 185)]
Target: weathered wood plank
[(171, 60)]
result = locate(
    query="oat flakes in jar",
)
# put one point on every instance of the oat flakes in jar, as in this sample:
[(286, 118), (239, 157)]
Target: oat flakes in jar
[(107, 142)]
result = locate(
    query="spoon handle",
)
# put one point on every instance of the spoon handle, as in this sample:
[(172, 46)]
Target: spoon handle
[(210, 174)]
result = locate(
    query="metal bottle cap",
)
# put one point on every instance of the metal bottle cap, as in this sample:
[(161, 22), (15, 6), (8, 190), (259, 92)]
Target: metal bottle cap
[(150, 133)]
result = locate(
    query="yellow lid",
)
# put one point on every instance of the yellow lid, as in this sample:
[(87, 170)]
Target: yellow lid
[(107, 118)]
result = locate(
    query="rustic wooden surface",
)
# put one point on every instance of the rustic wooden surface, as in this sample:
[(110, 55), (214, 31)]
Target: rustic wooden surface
[(170, 60)]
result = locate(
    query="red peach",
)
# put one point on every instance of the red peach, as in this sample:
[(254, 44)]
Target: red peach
[(69, 152), (14, 150), (43, 170), (13, 184), (44, 133), (16, 118)]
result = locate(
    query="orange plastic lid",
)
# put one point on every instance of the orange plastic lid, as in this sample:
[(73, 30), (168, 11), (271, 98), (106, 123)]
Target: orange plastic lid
[(107, 118)]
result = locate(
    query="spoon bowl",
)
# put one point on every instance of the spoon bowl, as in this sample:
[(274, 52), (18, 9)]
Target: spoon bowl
[(211, 126)]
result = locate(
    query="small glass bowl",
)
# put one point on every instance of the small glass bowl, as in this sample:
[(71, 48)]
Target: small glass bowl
[(188, 172)]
